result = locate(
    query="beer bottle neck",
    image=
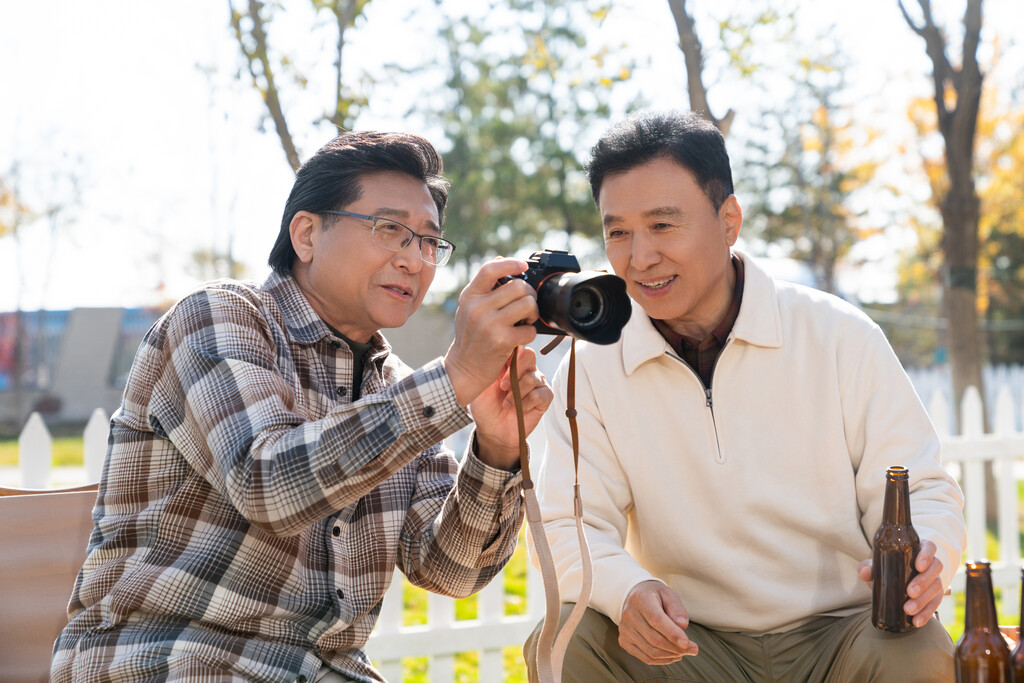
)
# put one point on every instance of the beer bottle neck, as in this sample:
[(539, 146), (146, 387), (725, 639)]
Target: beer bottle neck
[(897, 501), (980, 612)]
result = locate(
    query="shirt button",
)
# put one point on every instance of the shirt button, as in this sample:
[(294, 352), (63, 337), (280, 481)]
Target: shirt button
[(341, 594), (428, 411), (300, 679), (341, 391), (337, 531)]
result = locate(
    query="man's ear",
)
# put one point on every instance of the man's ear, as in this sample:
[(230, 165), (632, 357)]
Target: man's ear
[(303, 230), (731, 216)]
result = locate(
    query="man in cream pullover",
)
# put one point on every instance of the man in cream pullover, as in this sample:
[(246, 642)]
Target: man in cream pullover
[(733, 450)]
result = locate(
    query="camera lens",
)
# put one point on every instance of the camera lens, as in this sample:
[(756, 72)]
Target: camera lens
[(590, 305), (586, 307)]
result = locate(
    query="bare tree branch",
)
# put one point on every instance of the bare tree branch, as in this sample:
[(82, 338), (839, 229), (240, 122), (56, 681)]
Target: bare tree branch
[(258, 61), (690, 45), (943, 73), (344, 14), (919, 30)]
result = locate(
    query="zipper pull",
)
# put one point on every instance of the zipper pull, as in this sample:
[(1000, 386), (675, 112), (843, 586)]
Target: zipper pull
[(707, 394)]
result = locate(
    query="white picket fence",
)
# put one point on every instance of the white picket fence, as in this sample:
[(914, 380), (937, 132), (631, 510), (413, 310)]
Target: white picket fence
[(35, 454), (964, 456), (443, 636)]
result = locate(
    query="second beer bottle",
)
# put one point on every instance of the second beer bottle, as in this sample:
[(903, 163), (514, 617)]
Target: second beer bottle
[(896, 546), (982, 655), (1017, 656)]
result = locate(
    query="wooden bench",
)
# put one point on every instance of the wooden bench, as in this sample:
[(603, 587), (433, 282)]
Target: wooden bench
[(43, 535)]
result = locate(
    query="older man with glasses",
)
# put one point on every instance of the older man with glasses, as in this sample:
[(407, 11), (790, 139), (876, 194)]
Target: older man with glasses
[(273, 461)]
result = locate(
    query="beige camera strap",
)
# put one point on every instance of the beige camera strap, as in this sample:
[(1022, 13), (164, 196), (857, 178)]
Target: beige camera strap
[(551, 652)]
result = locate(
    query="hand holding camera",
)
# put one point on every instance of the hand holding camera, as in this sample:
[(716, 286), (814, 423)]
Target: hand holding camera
[(486, 327), (486, 333)]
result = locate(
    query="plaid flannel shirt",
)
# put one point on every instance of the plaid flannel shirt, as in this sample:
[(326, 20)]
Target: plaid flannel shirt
[(250, 517)]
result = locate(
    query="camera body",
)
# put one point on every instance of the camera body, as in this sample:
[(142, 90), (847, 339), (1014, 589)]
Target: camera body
[(590, 305)]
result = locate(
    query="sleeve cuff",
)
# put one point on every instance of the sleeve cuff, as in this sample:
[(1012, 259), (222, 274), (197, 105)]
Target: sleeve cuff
[(426, 399), (493, 486)]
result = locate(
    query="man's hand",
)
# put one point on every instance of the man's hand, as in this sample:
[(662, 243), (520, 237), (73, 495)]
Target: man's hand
[(497, 428), (924, 590), (651, 628), (486, 329)]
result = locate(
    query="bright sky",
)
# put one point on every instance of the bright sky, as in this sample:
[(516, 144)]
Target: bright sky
[(137, 102)]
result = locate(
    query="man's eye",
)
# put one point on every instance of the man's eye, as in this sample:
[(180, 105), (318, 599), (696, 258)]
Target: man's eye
[(390, 228), (613, 234)]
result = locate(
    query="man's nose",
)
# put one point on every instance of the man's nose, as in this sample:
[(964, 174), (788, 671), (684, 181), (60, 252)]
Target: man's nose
[(645, 252), (410, 257)]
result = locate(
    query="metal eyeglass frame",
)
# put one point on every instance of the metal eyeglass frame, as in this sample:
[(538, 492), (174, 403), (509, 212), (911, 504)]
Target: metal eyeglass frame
[(445, 249)]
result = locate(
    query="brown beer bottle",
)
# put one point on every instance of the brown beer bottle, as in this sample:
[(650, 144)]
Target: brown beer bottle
[(1017, 656), (981, 653), (895, 548)]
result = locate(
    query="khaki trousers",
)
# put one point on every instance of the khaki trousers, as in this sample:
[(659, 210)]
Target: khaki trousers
[(827, 649)]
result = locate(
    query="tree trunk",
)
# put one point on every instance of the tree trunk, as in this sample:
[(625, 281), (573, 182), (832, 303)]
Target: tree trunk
[(960, 208), (960, 296)]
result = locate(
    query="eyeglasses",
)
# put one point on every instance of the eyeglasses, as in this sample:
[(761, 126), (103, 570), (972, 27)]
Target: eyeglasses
[(394, 236)]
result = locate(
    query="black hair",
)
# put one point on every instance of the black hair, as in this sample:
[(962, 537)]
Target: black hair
[(682, 136), (329, 180)]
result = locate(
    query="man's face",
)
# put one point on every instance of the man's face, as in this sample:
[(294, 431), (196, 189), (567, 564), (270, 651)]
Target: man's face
[(664, 238), (357, 286)]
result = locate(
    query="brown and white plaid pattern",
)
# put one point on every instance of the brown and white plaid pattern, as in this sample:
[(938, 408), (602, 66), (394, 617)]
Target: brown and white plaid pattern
[(250, 516)]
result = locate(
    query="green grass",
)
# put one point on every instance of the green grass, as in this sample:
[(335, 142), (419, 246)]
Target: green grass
[(67, 452)]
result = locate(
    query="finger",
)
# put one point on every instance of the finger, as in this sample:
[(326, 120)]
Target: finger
[(511, 291), (521, 335), (930, 574), (659, 635), (925, 556), (527, 360), (492, 271), (647, 648), (927, 611), (672, 639), (523, 308), (654, 646), (674, 609), (671, 619), (652, 643), (927, 603), (534, 392), (508, 305), (865, 571), (641, 653)]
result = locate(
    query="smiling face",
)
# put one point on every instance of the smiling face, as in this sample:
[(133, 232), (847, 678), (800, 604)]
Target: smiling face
[(355, 285), (665, 239)]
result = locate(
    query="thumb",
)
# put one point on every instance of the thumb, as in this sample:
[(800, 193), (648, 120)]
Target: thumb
[(673, 607)]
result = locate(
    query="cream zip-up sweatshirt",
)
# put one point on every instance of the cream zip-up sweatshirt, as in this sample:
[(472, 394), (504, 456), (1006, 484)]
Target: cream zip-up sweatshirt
[(756, 499)]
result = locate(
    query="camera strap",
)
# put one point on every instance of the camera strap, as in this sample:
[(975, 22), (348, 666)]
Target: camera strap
[(551, 651)]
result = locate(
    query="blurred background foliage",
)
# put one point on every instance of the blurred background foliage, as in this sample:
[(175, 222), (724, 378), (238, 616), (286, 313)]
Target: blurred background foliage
[(515, 87), (909, 204)]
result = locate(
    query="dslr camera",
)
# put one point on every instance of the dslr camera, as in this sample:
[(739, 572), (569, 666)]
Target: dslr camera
[(589, 305)]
